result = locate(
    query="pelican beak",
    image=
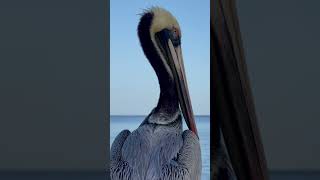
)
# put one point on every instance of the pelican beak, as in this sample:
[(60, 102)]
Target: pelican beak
[(171, 49)]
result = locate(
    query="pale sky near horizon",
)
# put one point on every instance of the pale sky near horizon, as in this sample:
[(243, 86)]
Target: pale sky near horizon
[(134, 88)]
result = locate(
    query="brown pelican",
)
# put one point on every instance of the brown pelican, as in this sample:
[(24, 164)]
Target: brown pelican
[(159, 148)]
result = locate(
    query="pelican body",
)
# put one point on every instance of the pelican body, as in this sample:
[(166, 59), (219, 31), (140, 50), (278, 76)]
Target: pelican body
[(159, 149)]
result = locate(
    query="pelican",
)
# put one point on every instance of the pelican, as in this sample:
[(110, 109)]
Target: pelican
[(159, 148)]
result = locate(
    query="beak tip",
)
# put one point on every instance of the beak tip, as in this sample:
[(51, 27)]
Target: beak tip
[(194, 130)]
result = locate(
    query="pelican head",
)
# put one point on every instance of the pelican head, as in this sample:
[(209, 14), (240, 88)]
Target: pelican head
[(160, 38)]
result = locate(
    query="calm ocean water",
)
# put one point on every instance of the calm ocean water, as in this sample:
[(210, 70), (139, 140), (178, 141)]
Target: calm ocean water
[(119, 123)]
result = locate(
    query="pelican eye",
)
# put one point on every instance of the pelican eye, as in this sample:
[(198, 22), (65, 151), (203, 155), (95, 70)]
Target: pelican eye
[(175, 37), (172, 34), (175, 34)]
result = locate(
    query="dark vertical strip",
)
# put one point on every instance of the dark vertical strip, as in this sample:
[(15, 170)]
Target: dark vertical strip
[(213, 123), (107, 84), (233, 106)]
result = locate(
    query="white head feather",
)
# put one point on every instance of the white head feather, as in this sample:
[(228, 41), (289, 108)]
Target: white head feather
[(162, 19)]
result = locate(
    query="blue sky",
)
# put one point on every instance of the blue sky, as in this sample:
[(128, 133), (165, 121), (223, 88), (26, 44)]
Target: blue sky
[(134, 88)]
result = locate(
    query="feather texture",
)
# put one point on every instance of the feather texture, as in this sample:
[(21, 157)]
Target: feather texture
[(156, 152)]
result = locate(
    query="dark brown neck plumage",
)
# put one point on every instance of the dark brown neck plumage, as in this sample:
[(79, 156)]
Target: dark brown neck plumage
[(168, 100)]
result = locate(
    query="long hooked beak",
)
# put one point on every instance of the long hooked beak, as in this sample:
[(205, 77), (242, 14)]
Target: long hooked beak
[(173, 55)]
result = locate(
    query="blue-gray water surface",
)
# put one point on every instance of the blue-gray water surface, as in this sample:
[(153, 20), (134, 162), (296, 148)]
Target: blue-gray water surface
[(119, 123)]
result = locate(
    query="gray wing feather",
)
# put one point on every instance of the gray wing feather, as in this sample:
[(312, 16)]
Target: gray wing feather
[(119, 169), (188, 165)]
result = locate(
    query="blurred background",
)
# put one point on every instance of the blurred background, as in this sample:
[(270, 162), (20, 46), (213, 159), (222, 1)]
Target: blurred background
[(281, 41), (53, 89)]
